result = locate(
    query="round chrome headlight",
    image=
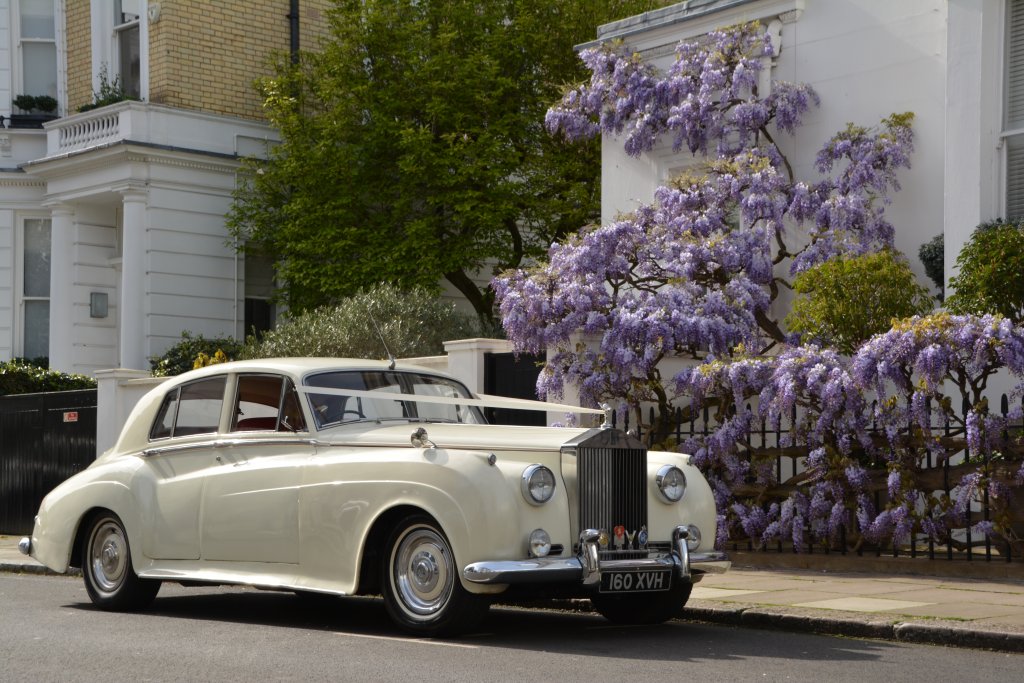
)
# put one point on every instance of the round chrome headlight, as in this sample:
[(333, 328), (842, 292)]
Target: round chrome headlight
[(540, 543), (671, 483), (693, 539), (538, 484)]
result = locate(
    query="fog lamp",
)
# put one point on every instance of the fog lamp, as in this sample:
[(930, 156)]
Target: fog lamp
[(540, 543), (693, 540)]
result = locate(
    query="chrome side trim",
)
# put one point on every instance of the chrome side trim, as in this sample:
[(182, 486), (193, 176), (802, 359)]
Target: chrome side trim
[(224, 443)]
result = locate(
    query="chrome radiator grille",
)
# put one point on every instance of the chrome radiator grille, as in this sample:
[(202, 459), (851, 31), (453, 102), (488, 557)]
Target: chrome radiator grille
[(612, 488)]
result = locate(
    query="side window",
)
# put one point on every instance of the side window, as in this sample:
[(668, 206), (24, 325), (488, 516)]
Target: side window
[(164, 423), (266, 403), (193, 408)]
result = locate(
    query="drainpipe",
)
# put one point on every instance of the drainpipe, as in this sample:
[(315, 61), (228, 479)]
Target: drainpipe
[(293, 17)]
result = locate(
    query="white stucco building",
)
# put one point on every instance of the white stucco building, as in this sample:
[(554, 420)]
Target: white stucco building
[(112, 221), (956, 64)]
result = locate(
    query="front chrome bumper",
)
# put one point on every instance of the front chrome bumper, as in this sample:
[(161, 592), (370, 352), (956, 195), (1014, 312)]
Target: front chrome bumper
[(25, 546), (586, 567)]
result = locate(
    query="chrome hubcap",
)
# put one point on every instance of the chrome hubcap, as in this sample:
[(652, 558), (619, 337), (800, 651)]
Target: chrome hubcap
[(422, 572), (108, 555)]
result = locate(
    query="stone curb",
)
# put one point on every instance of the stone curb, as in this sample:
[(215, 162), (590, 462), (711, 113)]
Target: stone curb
[(925, 633), (34, 568)]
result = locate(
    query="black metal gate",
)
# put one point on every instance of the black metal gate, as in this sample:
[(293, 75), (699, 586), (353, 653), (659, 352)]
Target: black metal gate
[(506, 374), (44, 439)]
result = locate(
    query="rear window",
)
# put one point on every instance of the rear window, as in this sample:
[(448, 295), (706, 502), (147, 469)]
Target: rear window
[(192, 408)]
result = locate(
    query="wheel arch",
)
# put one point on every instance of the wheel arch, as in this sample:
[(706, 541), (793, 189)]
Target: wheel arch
[(376, 538)]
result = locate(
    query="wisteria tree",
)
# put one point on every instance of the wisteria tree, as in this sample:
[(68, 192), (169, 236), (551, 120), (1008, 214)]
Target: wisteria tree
[(694, 273)]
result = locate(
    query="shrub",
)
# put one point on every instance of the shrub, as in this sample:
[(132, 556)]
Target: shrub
[(46, 104), (933, 254), (25, 102), (412, 323), (183, 355), (845, 301), (990, 277), (19, 377), (110, 92)]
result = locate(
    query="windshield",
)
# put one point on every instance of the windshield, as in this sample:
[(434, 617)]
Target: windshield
[(380, 395)]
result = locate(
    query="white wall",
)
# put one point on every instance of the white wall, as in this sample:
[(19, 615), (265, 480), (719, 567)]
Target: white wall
[(7, 309), (866, 59), (191, 280), (94, 269)]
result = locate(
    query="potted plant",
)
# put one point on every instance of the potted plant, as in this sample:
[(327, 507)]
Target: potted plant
[(36, 110)]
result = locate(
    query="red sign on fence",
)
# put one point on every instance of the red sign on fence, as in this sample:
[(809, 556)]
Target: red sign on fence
[(71, 416)]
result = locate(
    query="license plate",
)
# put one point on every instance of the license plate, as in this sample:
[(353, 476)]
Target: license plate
[(636, 582)]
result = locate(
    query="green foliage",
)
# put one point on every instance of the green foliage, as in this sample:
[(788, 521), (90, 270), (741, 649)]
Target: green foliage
[(25, 102), (990, 277), (845, 301), (46, 104), (110, 92), (933, 254), (20, 377), (413, 323), (183, 356), (413, 147)]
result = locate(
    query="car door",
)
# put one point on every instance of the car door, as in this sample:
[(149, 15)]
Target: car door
[(170, 481), (250, 509)]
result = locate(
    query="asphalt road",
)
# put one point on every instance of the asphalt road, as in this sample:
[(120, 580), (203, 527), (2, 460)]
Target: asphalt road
[(50, 632)]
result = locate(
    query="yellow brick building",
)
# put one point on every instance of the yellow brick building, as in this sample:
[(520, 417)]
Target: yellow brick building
[(201, 55)]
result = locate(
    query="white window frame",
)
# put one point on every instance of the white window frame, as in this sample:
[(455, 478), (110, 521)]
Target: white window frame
[(18, 345), (105, 43), (17, 62), (1006, 133)]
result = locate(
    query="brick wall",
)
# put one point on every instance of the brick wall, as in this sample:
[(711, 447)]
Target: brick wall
[(79, 53), (205, 55)]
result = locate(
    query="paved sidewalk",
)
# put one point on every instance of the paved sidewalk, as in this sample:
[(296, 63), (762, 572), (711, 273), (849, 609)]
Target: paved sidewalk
[(987, 614)]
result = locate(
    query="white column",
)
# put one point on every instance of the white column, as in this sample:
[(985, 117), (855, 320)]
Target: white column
[(132, 328), (62, 293)]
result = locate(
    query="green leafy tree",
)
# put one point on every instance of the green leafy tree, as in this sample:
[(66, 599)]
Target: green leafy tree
[(990, 277), (413, 148), (411, 323), (845, 301)]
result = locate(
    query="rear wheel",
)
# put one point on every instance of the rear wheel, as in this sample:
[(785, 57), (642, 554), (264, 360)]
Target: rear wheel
[(107, 568), (422, 590), (644, 608)]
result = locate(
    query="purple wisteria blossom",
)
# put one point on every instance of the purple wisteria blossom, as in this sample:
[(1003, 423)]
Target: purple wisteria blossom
[(693, 274)]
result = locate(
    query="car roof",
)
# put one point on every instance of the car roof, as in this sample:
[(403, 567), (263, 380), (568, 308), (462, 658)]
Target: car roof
[(299, 367), (134, 434)]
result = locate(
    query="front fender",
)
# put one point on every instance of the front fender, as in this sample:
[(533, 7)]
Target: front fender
[(64, 509), (341, 500)]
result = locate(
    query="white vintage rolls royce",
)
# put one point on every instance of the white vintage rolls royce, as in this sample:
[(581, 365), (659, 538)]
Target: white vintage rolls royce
[(351, 477)]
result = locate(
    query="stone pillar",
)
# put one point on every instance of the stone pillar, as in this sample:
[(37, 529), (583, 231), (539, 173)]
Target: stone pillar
[(62, 291), (466, 359), (118, 392), (132, 327)]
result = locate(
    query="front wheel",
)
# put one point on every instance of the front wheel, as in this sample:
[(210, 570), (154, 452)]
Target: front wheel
[(107, 568), (644, 608), (422, 591)]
